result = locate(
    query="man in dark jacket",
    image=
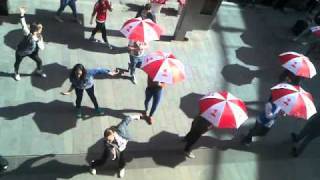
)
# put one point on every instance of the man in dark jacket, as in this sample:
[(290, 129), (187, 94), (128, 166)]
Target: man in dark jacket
[(309, 132), (116, 139), (145, 13)]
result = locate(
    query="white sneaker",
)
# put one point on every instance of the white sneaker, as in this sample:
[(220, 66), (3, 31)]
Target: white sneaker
[(93, 171), (17, 77), (135, 117), (121, 173), (134, 80), (190, 155)]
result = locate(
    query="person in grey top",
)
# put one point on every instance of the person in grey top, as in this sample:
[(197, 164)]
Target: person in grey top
[(82, 79), (29, 45), (115, 143)]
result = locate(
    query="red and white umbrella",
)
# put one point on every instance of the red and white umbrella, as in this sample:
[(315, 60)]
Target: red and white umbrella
[(298, 64), (315, 30), (145, 30), (163, 67), (223, 110), (293, 100)]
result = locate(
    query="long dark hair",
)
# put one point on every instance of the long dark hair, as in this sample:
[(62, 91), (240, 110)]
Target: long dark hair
[(75, 69)]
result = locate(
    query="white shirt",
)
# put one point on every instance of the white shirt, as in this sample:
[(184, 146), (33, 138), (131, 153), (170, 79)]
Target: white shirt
[(26, 32), (122, 142)]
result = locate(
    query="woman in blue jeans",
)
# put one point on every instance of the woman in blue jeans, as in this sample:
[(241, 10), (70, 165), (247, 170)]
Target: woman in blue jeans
[(154, 90), (63, 5), (82, 79)]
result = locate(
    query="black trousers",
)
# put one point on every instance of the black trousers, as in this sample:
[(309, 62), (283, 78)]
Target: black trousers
[(102, 28), (280, 4), (106, 155), (34, 56), (90, 91), (199, 126), (257, 130)]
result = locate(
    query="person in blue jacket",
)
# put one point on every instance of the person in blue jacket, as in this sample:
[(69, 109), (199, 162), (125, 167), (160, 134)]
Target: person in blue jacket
[(82, 79), (264, 122)]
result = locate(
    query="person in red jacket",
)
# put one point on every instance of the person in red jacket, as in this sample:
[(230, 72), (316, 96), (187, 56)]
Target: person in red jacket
[(100, 10)]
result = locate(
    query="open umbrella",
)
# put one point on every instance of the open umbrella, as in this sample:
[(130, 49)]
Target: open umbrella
[(293, 100), (298, 64), (143, 30), (163, 67), (223, 110)]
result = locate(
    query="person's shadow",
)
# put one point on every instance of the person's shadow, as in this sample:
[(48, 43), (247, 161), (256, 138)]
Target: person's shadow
[(52, 168), (231, 73), (56, 116), (67, 33)]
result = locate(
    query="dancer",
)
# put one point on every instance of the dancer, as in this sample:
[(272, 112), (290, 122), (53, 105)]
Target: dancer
[(29, 46), (82, 79)]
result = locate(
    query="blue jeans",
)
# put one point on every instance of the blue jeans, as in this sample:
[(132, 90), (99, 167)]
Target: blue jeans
[(135, 62), (154, 93), (64, 3)]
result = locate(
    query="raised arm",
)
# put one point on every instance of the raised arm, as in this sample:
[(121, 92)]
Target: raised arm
[(25, 28)]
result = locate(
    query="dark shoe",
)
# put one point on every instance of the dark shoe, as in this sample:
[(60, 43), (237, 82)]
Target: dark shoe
[(99, 111), (246, 141), (294, 152), (294, 137), (78, 113)]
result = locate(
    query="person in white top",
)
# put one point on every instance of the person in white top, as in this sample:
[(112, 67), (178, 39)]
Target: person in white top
[(29, 46)]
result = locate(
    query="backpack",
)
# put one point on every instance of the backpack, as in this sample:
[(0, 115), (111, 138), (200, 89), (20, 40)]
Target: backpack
[(27, 46)]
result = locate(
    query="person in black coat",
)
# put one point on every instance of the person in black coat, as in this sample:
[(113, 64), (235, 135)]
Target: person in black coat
[(145, 13)]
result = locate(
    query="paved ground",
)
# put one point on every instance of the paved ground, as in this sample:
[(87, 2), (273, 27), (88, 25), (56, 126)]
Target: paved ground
[(238, 54)]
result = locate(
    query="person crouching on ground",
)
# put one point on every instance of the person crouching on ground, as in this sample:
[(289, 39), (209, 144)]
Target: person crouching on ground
[(116, 139)]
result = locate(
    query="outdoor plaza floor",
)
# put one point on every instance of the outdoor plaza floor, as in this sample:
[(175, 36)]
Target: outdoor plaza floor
[(42, 139)]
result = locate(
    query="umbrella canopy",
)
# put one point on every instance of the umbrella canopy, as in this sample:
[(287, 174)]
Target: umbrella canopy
[(223, 110), (145, 30), (293, 100), (315, 30), (298, 64), (163, 67)]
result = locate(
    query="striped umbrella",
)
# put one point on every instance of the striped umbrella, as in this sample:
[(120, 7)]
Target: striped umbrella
[(145, 30), (163, 67), (298, 64), (223, 110), (293, 100)]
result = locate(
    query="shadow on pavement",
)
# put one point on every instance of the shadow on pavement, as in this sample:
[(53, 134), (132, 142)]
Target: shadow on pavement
[(52, 169), (73, 35), (56, 76), (231, 74), (56, 116)]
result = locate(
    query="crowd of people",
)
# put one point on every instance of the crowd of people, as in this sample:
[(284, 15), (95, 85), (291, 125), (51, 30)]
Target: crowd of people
[(82, 78)]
